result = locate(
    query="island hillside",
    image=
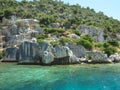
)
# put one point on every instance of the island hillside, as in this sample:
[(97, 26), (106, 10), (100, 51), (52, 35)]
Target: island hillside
[(50, 32)]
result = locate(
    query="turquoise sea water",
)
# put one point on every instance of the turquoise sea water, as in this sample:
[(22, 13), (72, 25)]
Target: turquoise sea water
[(68, 77)]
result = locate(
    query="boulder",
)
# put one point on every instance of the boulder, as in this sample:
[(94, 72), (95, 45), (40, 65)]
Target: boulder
[(11, 54), (39, 29), (45, 46), (60, 51), (115, 57), (47, 58), (55, 25), (74, 59), (74, 36), (14, 29), (61, 55)]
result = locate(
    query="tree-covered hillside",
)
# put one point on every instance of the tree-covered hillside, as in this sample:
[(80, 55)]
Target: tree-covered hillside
[(61, 19), (50, 11)]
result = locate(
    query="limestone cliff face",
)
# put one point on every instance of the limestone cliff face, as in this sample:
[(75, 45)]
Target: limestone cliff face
[(97, 34), (78, 50), (28, 52), (11, 54), (44, 53)]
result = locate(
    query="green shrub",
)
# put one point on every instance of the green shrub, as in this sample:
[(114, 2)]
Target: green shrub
[(54, 43), (110, 50), (65, 39), (77, 32), (89, 56), (87, 44), (88, 37), (1, 54), (40, 37), (105, 45), (113, 42)]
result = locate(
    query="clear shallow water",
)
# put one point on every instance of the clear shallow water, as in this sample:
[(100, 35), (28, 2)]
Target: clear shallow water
[(68, 77)]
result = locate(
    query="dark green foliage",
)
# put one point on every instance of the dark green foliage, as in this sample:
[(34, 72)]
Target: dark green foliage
[(41, 37), (88, 38), (51, 11), (105, 45), (0, 26), (54, 43), (87, 44), (1, 54), (113, 42), (89, 56), (47, 20), (65, 39), (77, 32), (110, 50), (86, 41)]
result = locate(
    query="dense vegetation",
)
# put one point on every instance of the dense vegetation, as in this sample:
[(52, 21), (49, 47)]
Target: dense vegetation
[(68, 16), (1, 54)]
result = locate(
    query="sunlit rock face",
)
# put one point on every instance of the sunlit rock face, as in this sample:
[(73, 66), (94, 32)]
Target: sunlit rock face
[(29, 52), (74, 59), (60, 52), (11, 54), (115, 57), (74, 36), (43, 53), (98, 57), (78, 50), (48, 57), (96, 33)]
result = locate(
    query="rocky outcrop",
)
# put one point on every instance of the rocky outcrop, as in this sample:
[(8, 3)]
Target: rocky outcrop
[(74, 36), (47, 58), (62, 55), (73, 59), (78, 50), (60, 51), (97, 34), (29, 53), (11, 54), (97, 57), (115, 57), (43, 53), (55, 25)]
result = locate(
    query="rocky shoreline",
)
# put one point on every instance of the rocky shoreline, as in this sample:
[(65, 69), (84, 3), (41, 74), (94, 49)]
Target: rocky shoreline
[(45, 54)]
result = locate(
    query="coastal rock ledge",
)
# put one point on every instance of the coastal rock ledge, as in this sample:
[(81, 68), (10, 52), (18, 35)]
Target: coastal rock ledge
[(44, 53)]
